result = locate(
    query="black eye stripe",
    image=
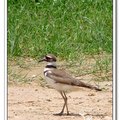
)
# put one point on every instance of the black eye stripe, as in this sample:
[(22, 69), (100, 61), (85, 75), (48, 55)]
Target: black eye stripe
[(48, 57)]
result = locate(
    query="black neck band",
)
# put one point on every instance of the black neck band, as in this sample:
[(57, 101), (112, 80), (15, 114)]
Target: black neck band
[(50, 66)]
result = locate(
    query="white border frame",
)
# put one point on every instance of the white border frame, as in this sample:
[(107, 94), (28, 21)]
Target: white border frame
[(118, 58), (114, 110), (5, 63), (3, 59)]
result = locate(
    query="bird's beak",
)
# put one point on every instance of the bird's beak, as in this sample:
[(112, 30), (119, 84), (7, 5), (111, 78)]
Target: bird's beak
[(43, 59)]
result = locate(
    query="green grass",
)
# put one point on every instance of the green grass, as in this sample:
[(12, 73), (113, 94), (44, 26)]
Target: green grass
[(66, 28)]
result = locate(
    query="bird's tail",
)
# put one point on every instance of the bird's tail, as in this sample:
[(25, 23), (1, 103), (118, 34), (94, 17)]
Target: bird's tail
[(90, 86), (82, 84)]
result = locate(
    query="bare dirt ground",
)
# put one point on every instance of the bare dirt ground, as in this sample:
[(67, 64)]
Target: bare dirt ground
[(34, 101), (39, 103)]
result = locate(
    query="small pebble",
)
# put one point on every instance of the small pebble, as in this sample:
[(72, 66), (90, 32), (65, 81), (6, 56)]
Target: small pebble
[(91, 94), (48, 100)]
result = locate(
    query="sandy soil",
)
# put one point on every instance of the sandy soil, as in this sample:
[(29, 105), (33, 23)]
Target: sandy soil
[(40, 103)]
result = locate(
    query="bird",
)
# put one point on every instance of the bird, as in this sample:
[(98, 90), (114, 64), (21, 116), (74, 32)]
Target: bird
[(62, 81)]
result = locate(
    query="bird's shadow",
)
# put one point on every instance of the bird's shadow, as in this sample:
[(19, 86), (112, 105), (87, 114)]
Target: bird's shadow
[(71, 114)]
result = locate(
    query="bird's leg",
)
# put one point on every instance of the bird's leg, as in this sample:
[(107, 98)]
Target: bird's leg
[(65, 99), (63, 105)]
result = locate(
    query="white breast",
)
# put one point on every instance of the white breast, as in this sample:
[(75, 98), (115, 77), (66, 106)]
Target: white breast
[(49, 80)]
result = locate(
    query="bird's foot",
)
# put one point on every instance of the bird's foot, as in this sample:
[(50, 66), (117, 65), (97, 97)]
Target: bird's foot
[(59, 114), (68, 113)]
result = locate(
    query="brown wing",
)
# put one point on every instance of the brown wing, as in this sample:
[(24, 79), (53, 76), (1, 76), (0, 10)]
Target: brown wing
[(60, 76)]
